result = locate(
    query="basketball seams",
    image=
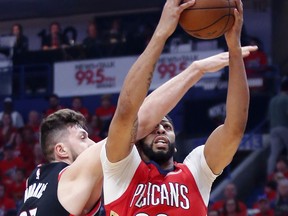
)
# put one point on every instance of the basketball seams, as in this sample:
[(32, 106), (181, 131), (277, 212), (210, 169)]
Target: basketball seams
[(209, 8), (209, 18), (211, 24)]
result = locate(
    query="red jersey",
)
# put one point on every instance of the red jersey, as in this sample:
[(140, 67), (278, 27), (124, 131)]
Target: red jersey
[(150, 191), (153, 193)]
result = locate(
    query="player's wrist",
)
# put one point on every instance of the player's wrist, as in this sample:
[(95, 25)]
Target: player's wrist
[(198, 68), (235, 51)]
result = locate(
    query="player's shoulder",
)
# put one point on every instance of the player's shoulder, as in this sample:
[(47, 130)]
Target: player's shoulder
[(44, 170), (195, 156), (196, 152)]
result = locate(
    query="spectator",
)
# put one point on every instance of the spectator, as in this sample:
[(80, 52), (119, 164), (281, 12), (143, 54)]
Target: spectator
[(231, 207), (256, 63), (22, 43), (281, 170), (38, 155), (281, 203), (270, 190), (278, 118), (7, 130), (92, 42), (9, 164), (17, 186), (17, 118), (29, 137), (95, 129), (264, 207), (34, 120), (6, 204), (78, 107), (23, 150), (116, 34), (55, 39), (230, 193), (105, 112), (116, 38), (54, 104)]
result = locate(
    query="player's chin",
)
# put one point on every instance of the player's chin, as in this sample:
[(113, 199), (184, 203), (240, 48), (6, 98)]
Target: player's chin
[(162, 150)]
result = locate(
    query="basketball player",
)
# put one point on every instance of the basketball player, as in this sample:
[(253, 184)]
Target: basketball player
[(149, 182), (71, 183)]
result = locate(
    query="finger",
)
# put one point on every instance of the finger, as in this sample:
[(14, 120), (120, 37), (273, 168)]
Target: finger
[(187, 4), (245, 53), (236, 14), (239, 6), (250, 48)]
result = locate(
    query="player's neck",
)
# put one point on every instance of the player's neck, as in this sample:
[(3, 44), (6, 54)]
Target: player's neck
[(168, 165), (164, 166), (65, 160)]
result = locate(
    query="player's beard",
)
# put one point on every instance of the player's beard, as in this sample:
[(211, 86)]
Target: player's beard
[(160, 157)]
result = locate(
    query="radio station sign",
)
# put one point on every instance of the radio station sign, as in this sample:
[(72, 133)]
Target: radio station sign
[(101, 76)]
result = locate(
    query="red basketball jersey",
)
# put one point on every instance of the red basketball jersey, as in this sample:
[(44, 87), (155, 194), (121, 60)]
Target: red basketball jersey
[(151, 193)]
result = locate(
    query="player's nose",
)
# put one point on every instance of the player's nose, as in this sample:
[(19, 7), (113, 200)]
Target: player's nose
[(160, 129)]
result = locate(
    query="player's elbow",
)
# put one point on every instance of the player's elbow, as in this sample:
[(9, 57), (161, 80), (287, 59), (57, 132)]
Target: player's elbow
[(235, 130)]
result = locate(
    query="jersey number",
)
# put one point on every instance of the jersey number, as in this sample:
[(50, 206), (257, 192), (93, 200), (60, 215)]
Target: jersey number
[(32, 212)]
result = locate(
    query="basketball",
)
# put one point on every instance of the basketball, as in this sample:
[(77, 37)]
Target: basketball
[(208, 19)]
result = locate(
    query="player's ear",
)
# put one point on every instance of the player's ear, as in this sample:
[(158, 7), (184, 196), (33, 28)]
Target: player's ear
[(61, 150)]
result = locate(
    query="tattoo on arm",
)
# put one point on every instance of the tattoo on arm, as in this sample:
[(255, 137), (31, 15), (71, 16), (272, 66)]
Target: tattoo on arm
[(134, 131), (149, 80)]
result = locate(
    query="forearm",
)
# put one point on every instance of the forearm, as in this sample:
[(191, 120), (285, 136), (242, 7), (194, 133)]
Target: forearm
[(85, 174), (238, 93), (122, 130), (138, 79), (163, 99)]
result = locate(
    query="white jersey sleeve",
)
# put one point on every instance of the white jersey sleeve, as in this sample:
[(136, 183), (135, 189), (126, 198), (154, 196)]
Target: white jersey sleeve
[(201, 172), (118, 174)]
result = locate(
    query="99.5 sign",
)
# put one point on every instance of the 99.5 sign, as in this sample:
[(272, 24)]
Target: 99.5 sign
[(169, 70), (93, 76)]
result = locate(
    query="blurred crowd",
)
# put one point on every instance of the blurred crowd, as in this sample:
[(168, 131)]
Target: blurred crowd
[(20, 150), (271, 200)]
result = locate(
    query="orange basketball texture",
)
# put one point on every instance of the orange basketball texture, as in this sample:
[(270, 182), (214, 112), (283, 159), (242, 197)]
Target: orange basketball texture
[(208, 19)]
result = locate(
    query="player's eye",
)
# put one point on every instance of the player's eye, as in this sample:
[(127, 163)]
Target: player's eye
[(167, 126)]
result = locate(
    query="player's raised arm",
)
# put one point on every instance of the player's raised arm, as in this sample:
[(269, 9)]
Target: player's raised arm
[(163, 99), (223, 143), (122, 131)]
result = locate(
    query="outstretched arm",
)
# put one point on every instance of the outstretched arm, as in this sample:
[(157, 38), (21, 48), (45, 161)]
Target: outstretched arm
[(122, 131), (163, 99), (223, 143)]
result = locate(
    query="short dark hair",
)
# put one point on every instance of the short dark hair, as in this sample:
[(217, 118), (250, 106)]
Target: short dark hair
[(170, 120), (56, 122)]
